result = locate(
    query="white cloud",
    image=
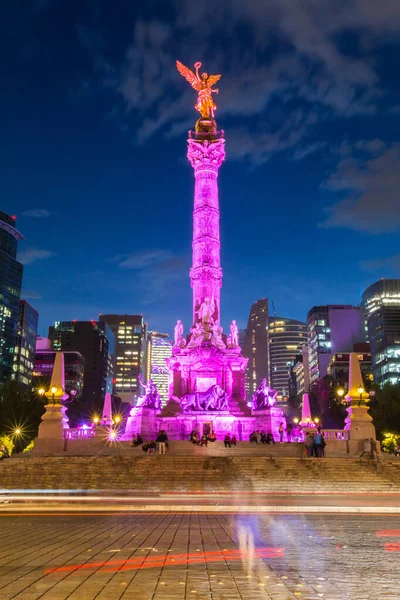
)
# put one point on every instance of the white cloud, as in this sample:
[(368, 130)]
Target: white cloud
[(155, 269), (30, 295), (31, 255), (36, 213), (371, 187), (307, 64)]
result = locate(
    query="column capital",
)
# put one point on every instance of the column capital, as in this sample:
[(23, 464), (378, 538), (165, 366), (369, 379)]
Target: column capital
[(206, 154)]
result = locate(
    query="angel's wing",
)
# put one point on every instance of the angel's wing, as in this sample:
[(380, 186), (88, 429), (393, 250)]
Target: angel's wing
[(188, 75), (212, 79)]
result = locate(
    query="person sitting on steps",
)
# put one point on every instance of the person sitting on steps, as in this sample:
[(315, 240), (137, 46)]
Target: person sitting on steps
[(270, 438), (227, 441)]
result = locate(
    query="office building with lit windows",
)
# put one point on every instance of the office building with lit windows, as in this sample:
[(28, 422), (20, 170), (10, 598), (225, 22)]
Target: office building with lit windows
[(299, 376), (159, 347), (25, 347), (255, 346), (10, 293), (339, 365), (94, 340), (332, 328), (286, 338), (381, 304), (130, 333)]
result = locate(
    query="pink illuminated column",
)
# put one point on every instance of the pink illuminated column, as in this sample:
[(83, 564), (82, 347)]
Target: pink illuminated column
[(206, 156)]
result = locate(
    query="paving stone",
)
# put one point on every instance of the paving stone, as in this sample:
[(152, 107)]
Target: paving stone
[(197, 557)]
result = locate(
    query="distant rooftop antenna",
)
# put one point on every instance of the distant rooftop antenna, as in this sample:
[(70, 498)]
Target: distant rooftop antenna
[(273, 307)]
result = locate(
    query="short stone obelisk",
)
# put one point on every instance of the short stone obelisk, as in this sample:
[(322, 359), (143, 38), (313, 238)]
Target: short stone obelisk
[(106, 417), (50, 438), (305, 411), (359, 421)]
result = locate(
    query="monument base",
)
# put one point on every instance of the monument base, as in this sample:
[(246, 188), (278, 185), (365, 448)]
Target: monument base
[(359, 423), (268, 420), (142, 420), (50, 439), (179, 426)]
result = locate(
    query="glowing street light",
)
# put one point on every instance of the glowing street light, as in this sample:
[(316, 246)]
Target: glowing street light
[(41, 392), (117, 419), (53, 391), (295, 420), (340, 392), (360, 390), (96, 420), (17, 431)]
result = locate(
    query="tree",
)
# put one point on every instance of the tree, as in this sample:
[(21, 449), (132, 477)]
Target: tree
[(325, 404), (20, 413), (385, 409)]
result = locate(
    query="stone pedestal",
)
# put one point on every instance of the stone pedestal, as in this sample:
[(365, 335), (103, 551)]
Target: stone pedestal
[(269, 420), (359, 423), (50, 439), (142, 420)]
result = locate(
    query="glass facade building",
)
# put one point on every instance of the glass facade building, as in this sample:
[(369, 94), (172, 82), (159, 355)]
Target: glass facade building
[(10, 293), (332, 328), (25, 347), (286, 338), (159, 347), (255, 346), (130, 334), (381, 304)]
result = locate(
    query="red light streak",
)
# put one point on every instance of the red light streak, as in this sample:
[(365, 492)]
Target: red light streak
[(392, 547), (169, 560), (387, 533)]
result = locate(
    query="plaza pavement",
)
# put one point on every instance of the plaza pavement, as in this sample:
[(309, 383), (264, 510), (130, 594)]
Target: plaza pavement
[(176, 556)]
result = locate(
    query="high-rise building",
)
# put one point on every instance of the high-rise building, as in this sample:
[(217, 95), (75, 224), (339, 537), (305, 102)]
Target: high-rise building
[(159, 347), (332, 328), (95, 341), (286, 338), (130, 333), (25, 347), (339, 365), (255, 346), (74, 367), (381, 304), (299, 375), (10, 293)]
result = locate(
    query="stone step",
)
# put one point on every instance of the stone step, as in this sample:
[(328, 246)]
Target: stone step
[(197, 473)]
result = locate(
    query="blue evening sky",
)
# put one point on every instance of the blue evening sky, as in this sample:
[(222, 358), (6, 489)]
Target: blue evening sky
[(93, 151)]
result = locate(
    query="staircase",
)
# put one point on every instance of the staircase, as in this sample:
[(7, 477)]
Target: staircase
[(206, 473)]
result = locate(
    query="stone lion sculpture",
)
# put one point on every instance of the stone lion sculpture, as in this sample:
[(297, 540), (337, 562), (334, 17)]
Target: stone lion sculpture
[(213, 399)]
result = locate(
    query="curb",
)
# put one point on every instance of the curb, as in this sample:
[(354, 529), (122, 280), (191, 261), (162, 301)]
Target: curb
[(196, 508)]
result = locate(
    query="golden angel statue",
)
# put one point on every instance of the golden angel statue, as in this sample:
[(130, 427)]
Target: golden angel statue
[(203, 85)]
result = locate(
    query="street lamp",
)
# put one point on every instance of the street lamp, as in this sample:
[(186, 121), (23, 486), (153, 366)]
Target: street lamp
[(53, 391), (295, 420), (17, 431), (340, 392), (96, 420), (41, 392), (360, 390)]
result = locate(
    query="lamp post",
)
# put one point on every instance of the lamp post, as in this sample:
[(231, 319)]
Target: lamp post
[(53, 392), (360, 390), (41, 392)]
